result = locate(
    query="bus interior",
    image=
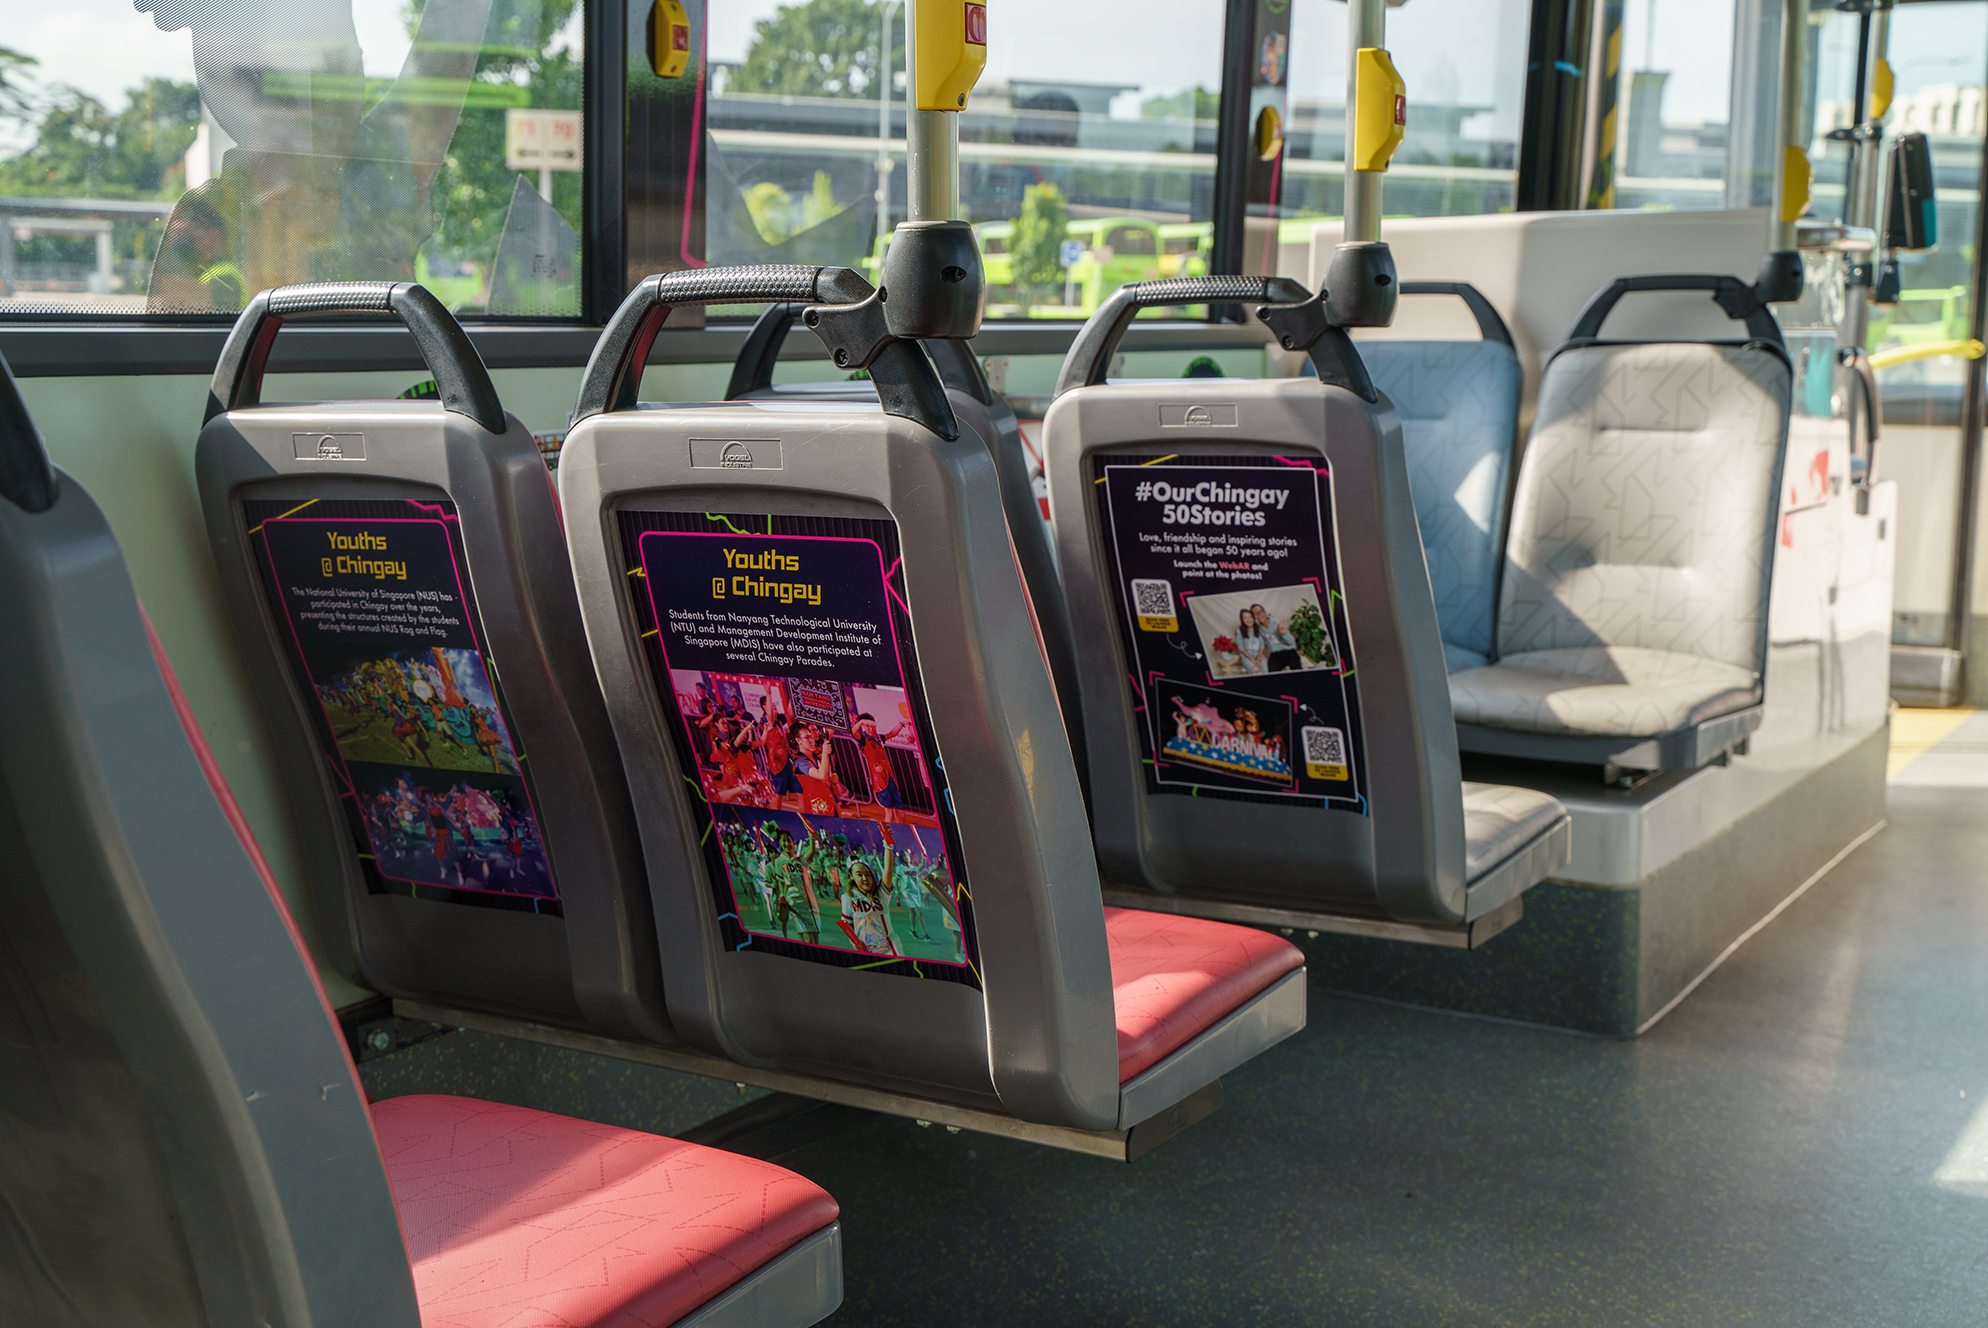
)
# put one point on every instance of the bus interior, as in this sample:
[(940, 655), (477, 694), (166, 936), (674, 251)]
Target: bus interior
[(548, 546)]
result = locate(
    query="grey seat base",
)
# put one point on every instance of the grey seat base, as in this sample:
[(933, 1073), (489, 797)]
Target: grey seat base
[(1259, 1024), (801, 1287), (1291, 917), (1699, 745), (1124, 1144)]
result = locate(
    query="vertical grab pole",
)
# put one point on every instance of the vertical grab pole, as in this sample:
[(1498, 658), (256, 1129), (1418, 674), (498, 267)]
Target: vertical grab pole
[(1360, 285), (933, 274), (1780, 280), (1874, 98)]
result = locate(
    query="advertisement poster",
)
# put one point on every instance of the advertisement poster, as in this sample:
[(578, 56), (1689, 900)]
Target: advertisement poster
[(1234, 625), (376, 616), (781, 649)]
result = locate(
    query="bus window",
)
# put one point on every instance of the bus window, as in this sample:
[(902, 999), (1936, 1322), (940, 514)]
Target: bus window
[(1081, 117), (1464, 62), (235, 145), (1672, 105)]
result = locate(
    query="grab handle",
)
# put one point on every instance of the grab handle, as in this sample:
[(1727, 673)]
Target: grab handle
[(27, 480), (1489, 325), (1097, 341), (906, 383), (460, 379), (1737, 299)]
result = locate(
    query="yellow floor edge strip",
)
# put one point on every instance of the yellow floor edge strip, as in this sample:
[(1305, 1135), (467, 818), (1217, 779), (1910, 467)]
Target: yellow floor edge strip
[(1916, 732)]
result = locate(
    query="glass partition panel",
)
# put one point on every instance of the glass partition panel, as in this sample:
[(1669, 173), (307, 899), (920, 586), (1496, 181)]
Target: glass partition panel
[(175, 156), (1087, 152)]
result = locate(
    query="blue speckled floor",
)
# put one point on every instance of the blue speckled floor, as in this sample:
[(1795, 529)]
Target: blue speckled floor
[(1804, 1142)]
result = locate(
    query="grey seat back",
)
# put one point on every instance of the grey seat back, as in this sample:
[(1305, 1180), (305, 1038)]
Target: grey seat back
[(1645, 509), (1459, 404), (182, 1138), (1381, 827), (876, 528), (396, 574)]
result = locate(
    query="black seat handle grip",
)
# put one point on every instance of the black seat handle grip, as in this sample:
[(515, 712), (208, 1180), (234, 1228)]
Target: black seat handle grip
[(752, 372), (1489, 325), (27, 479), (1739, 300), (461, 380), (906, 383), (1097, 341)]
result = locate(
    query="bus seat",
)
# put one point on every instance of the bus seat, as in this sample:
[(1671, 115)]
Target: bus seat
[(1632, 620), (183, 1138), (1192, 795), (1459, 404), (394, 571), (989, 415), (1011, 1000)]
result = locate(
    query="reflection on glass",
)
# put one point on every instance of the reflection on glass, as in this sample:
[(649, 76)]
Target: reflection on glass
[(276, 143), (1086, 154)]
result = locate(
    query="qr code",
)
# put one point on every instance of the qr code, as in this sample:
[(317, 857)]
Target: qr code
[(1152, 599), (1325, 752)]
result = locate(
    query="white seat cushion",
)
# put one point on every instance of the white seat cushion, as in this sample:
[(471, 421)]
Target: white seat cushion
[(1499, 820), (1601, 691)]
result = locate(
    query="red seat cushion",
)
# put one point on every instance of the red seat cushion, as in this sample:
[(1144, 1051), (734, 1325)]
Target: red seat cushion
[(1173, 977), (524, 1219)]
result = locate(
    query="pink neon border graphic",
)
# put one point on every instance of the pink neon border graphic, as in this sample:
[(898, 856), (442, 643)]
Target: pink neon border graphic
[(476, 641), (897, 655)]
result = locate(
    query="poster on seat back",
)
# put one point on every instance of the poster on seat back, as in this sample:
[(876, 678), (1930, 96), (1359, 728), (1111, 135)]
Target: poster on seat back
[(781, 652), (1227, 581), (372, 605)]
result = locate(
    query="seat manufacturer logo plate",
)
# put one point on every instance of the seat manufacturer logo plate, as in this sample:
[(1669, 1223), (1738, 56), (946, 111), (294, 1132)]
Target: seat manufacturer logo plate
[(328, 446), (1197, 417), (735, 454)]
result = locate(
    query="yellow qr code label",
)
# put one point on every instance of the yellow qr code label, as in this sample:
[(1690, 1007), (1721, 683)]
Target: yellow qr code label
[(1325, 753), (1153, 606)]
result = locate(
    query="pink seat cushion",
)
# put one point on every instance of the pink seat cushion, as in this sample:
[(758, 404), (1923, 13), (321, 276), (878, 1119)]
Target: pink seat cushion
[(1172, 978), (521, 1219)]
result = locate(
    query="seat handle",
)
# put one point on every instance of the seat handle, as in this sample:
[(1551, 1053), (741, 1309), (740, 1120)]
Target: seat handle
[(460, 378), (27, 479), (1097, 341), (1739, 300), (1489, 325), (906, 383), (957, 366)]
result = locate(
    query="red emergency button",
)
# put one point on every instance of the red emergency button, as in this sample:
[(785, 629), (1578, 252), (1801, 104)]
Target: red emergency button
[(976, 24), (679, 36), (1400, 109)]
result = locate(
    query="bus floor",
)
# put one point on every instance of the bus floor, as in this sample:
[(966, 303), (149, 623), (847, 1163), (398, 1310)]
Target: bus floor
[(1804, 1140)]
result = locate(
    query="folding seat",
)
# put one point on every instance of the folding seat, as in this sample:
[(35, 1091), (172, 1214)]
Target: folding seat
[(1264, 685), (183, 1139), (1459, 406), (903, 896), (1632, 617), (396, 574)]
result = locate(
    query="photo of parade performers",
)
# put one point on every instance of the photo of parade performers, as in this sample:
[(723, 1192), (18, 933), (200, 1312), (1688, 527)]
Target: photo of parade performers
[(1274, 629), (802, 745), (425, 707), (457, 829), (854, 884)]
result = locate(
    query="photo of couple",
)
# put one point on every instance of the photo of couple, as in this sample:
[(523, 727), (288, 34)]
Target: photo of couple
[(1277, 629)]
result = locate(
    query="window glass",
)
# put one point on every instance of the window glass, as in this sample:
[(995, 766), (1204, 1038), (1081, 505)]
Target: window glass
[(1087, 113), (1463, 62), (1671, 104), (175, 156)]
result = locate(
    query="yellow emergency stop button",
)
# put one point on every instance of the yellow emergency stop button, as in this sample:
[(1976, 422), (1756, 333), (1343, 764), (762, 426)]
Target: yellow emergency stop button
[(951, 37), (1381, 107), (669, 50)]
